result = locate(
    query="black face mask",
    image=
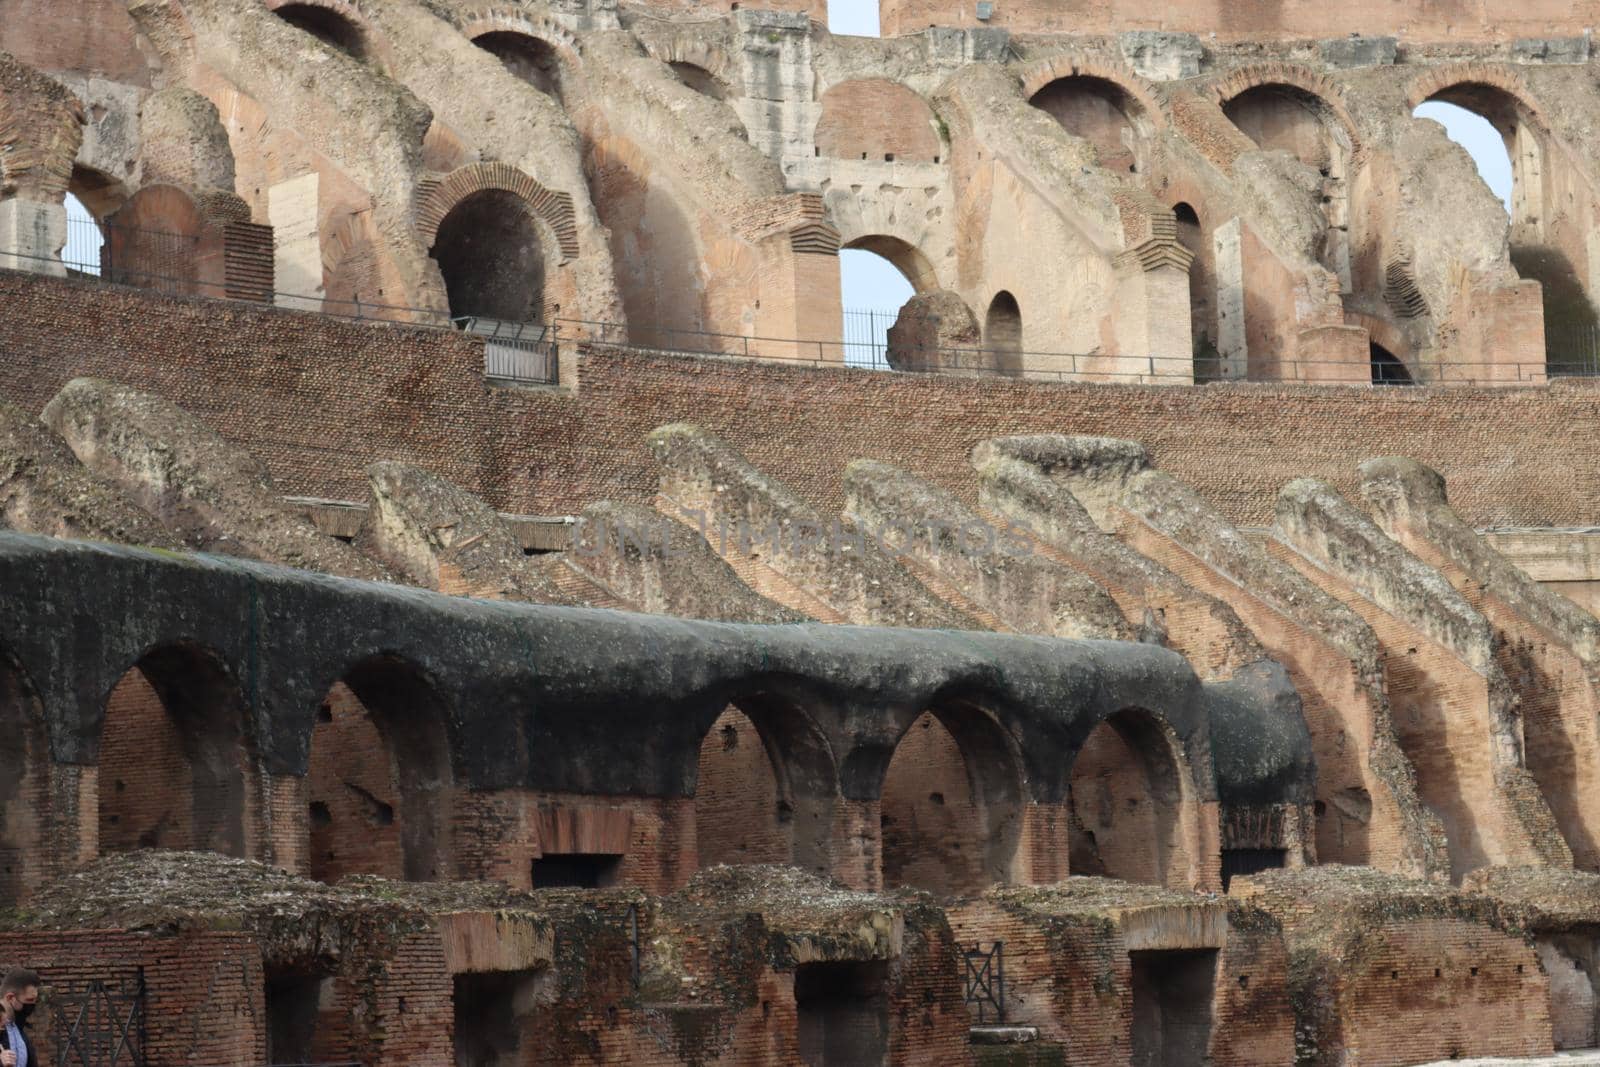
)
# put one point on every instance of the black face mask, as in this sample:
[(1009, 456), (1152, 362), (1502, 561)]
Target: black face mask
[(22, 1012)]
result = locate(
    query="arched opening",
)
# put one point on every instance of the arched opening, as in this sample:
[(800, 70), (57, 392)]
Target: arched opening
[(24, 785), (1099, 111), (764, 788), (379, 785), (1387, 368), (489, 250), (699, 79), (329, 27), (1288, 118), (1513, 156), (1127, 793), (877, 276), (528, 58), (85, 240), (1002, 332), (951, 804), (1202, 286), (176, 767)]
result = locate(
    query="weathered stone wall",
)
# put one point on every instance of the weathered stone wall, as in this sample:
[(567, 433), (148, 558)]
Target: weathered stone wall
[(292, 402)]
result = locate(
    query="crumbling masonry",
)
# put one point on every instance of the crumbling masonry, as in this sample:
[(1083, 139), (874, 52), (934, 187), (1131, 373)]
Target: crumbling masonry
[(463, 600)]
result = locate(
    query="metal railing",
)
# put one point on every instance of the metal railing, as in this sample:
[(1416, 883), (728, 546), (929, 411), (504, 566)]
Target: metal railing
[(124, 255), (529, 352), (515, 351), (984, 979)]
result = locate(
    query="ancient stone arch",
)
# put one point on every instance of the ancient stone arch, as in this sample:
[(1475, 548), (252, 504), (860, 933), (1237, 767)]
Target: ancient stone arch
[(1134, 814), (505, 18), (767, 782), (380, 775), (353, 32), (695, 51), (1430, 84), (1293, 76), (1040, 75), (176, 756), (952, 800), (439, 196)]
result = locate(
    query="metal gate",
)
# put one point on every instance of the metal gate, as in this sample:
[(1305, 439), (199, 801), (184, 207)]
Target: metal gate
[(985, 984), (99, 1025)]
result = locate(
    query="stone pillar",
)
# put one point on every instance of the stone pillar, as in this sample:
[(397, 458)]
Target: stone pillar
[(297, 265), (776, 97), (32, 235), (1232, 346)]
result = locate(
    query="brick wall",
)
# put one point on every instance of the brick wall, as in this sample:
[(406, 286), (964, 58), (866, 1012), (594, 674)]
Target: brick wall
[(877, 120), (319, 399), (146, 786), (933, 827), (352, 794), (203, 991), (736, 803)]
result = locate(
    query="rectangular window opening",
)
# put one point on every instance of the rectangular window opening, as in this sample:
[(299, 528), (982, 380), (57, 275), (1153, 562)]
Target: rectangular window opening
[(576, 870), (1172, 994), (842, 1011)]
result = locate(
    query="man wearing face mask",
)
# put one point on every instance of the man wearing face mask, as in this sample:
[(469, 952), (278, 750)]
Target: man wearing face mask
[(19, 993)]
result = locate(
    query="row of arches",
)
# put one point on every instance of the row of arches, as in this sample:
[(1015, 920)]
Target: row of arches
[(174, 768)]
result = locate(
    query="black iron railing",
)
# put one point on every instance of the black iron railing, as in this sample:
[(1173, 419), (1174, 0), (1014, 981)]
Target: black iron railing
[(99, 1024)]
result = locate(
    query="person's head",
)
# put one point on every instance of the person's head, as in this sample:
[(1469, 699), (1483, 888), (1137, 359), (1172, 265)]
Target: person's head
[(19, 992)]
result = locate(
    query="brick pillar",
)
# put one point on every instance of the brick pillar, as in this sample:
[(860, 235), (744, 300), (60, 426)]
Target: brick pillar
[(71, 830), (1042, 851), (495, 836), (286, 836), (1153, 327), (855, 846)]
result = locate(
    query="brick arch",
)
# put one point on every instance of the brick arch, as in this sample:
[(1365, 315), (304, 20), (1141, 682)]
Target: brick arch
[(376, 44), (1137, 760), (800, 771), (438, 197), (382, 765), (41, 129), (1431, 83), (506, 18), (176, 751), (952, 799), (707, 55), (1151, 103), (1258, 75)]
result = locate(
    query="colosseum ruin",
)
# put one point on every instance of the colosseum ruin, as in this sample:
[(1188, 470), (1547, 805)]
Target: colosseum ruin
[(479, 586)]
